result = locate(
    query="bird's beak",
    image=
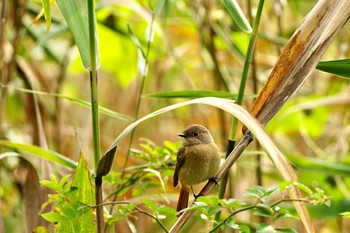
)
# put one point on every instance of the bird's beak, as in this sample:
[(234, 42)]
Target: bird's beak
[(182, 135)]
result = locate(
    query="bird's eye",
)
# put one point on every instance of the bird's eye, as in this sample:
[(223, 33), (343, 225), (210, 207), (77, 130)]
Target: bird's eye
[(195, 134)]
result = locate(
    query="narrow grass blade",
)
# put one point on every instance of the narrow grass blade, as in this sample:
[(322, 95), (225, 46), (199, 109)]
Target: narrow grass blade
[(48, 155), (194, 94), (80, 102)]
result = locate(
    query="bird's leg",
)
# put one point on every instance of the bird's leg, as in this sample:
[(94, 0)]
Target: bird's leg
[(214, 179), (194, 195)]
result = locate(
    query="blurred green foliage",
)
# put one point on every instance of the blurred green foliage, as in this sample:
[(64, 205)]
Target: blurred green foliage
[(312, 129)]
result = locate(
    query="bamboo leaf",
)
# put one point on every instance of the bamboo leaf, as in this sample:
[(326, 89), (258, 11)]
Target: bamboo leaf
[(194, 94), (237, 15), (48, 155), (76, 15), (338, 67)]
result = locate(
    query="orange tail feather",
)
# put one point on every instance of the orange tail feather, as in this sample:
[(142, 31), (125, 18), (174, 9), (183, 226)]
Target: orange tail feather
[(183, 198)]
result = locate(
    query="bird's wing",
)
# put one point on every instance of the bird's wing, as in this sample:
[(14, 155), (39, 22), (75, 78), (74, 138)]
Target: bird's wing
[(180, 160)]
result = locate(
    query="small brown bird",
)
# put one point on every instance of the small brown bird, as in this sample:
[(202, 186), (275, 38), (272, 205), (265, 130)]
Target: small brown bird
[(198, 160)]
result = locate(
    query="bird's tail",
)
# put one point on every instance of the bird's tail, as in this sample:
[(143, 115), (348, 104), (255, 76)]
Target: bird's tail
[(183, 198)]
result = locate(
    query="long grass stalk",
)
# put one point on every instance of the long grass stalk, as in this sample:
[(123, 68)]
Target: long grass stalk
[(239, 99), (94, 84), (94, 110), (246, 66)]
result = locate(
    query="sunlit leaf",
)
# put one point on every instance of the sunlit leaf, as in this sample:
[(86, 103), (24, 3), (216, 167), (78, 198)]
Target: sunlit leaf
[(47, 13), (158, 175), (165, 210), (150, 204), (54, 217), (345, 214)]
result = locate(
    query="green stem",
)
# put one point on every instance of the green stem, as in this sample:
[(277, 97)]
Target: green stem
[(94, 85), (246, 66), (239, 99), (94, 111)]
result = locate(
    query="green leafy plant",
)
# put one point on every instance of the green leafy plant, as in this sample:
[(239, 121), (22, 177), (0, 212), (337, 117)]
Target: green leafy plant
[(72, 200), (260, 205)]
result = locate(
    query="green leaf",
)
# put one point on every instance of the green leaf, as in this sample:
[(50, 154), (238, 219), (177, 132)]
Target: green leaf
[(244, 228), (210, 200), (47, 13), (80, 220), (231, 223), (76, 16), (303, 187), (123, 53), (158, 175), (231, 203), (339, 67), (194, 94), (284, 216), (54, 217), (264, 228), (165, 210), (52, 185), (40, 229), (132, 206), (256, 191), (150, 204), (64, 179), (285, 185), (46, 154), (213, 210), (237, 15), (345, 214), (286, 230), (320, 165), (263, 210)]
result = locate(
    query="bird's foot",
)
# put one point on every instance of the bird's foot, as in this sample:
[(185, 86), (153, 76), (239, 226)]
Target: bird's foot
[(214, 179)]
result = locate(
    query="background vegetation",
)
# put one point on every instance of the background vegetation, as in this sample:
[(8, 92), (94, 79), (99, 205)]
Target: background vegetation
[(195, 46)]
